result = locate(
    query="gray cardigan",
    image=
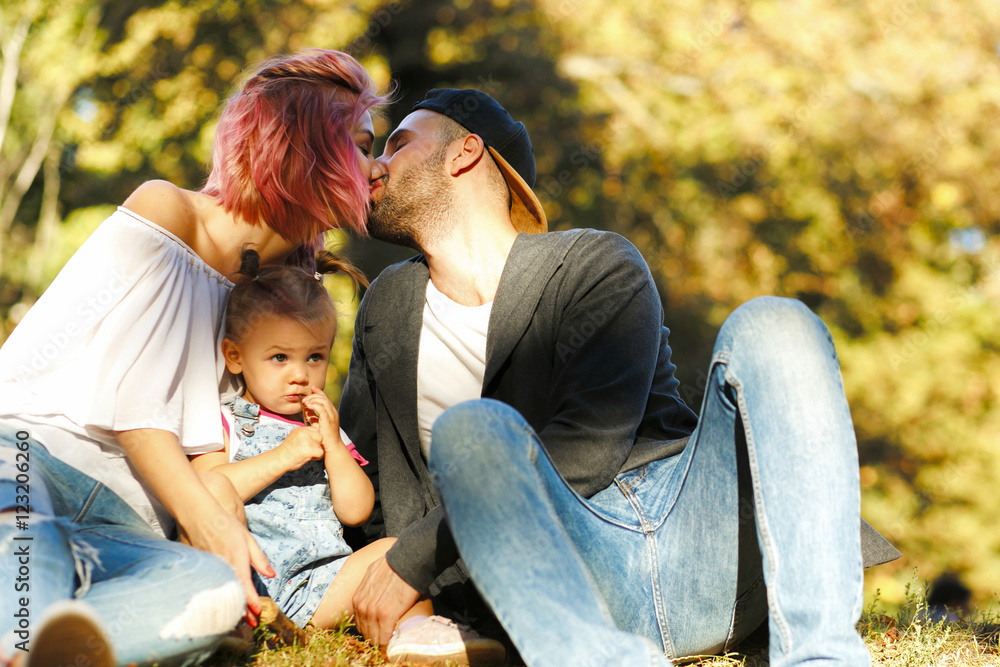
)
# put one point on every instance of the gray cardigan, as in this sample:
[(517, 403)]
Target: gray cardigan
[(575, 343)]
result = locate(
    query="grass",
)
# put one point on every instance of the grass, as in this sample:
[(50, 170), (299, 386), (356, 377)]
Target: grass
[(912, 638), (907, 638)]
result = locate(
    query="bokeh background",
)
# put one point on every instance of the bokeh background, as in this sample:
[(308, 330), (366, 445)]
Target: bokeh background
[(844, 153)]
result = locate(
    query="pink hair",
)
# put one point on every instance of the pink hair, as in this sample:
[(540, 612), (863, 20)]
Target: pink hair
[(284, 153)]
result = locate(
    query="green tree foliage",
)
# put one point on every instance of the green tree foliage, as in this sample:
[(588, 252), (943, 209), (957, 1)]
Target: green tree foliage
[(841, 154), (834, 154), (838, 153), (97, 97)]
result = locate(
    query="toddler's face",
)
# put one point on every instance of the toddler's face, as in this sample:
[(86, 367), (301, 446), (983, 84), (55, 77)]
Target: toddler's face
[(280, 359)]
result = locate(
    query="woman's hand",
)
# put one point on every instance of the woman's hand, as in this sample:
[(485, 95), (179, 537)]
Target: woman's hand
[(219, 532), (158, 457), (302, 445)]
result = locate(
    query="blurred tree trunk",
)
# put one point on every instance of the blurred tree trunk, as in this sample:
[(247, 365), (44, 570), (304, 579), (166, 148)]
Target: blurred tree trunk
[(49, 49), (48, 219)]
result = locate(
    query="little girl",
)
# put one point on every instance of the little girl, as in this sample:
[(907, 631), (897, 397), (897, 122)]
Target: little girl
[(294, 468)]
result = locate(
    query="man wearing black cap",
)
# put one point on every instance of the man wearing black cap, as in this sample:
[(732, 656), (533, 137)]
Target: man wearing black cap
[(514, 392)]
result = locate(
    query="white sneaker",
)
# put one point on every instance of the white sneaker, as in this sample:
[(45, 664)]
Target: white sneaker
[(435, 640), (69, 634)]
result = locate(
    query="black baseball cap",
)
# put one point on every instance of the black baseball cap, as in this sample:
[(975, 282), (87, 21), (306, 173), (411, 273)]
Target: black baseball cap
[(508, 143)]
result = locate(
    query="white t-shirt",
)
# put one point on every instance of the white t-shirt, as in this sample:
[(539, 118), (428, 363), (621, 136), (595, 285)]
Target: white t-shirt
[(124, 338), (451, 362)]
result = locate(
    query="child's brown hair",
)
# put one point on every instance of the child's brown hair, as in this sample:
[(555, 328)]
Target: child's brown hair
[(283, 291)]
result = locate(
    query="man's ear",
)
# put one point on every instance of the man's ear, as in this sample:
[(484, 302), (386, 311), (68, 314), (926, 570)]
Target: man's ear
[(469, 151), (231, 355)]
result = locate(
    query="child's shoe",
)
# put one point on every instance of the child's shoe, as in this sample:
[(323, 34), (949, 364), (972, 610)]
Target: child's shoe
[(435, 640), (69, 633)]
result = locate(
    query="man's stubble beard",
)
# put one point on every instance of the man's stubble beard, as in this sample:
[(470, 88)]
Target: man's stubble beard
[(416, 207)]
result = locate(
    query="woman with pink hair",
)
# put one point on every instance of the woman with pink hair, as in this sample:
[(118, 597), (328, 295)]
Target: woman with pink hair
[(112, 380)]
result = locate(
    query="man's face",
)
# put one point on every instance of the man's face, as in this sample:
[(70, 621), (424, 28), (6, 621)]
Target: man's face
[(411, 191)]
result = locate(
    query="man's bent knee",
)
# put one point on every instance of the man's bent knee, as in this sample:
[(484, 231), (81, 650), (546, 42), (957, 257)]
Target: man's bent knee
[(473, 423), (474, 431), (767, 311), (769, 320)]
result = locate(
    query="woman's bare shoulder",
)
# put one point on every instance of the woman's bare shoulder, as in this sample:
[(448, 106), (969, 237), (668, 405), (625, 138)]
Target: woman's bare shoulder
[(167, 205)]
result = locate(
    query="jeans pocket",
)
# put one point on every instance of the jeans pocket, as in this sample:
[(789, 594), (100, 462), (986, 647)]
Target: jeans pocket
[(614, 505), (651, 490)]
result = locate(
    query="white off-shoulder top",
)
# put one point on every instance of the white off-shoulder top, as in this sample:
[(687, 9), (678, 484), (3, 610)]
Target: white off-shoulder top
[(126, 337)]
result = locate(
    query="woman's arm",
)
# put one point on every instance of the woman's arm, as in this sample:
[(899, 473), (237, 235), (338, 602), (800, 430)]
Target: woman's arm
[(350, 489), (251, 476), (157, 456)]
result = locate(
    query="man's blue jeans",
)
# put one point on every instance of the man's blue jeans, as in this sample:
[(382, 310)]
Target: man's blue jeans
[(673, 557), (159, 601)]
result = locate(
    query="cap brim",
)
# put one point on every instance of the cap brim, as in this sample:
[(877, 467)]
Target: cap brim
[(526, 212)]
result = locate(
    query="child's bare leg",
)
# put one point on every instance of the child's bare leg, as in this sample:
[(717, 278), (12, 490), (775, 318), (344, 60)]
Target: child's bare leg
[(224, 493), (338, 601)]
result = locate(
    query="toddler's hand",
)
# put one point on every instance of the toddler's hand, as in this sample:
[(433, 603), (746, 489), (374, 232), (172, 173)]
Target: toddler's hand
[(321, 413), (302, 445)]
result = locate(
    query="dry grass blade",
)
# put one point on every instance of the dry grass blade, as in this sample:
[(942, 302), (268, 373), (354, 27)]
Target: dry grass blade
[(909, 638)]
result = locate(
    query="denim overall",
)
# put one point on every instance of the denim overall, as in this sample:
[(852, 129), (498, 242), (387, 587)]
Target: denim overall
[(292, 519)]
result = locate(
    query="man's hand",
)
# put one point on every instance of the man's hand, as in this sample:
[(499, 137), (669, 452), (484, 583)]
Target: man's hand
[(381, 599)]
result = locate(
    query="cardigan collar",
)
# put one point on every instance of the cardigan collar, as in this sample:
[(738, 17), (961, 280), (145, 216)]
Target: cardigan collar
[(394, 319), (530, 265)]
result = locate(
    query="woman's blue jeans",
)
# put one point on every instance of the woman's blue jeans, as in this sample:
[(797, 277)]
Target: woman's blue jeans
[(673, 558), (159, 601)]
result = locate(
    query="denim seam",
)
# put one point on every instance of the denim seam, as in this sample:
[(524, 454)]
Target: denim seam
[(685, 473), (649, 531), (644, 524), (534, 445), (639, 476), (642, 528), (87, 504), (762, 523), (739, 611), (661, 613)]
